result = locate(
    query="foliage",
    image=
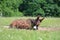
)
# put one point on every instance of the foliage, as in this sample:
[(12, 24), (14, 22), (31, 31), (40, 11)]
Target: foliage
[(10, 7), (30, 8)]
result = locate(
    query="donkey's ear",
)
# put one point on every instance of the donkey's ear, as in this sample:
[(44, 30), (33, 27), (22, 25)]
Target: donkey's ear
[(42, 19), (37, 17)]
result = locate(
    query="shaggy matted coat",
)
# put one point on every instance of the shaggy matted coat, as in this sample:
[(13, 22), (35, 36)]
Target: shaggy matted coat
[(22, 24)]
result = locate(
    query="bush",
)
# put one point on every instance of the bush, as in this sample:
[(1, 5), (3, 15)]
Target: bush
[(39, 12)]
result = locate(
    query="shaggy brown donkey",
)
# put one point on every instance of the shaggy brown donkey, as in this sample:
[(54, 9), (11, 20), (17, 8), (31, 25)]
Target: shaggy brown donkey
[(22, 24), (26, 24)]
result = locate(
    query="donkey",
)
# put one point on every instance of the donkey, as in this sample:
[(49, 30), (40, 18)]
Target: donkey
[(26, 24), (22, 24)]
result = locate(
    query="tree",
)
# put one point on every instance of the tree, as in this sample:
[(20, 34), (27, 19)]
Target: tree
[(10, 7)]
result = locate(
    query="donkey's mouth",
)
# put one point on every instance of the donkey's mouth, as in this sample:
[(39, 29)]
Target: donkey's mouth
[(35, 27)]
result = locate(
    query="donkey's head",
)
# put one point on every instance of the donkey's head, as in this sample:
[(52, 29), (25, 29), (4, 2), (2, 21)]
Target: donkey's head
[(37, 21)]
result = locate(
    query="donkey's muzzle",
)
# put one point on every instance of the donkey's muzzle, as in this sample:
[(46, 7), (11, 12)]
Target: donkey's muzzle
[(35, 27)]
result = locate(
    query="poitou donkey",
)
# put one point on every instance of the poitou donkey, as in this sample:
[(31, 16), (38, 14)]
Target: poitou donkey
[(26, 23)]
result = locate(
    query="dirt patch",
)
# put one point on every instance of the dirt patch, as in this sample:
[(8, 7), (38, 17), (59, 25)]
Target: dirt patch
[(49, 28), (43, 28)]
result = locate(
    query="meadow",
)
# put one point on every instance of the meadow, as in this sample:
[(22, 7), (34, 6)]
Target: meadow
[(22, 34)]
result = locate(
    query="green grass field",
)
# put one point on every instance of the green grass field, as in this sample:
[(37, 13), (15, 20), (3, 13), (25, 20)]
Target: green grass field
[(18, 34), (47, 22)]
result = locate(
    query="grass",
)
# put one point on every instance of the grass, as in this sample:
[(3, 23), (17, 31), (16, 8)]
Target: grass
[(51, 22), (47, 22), (18, 34), (14, 34)]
